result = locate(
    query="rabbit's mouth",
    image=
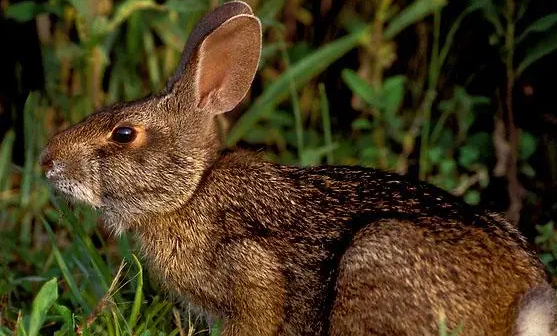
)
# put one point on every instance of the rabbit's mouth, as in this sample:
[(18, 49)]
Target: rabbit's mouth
[(76, 191), (72, 188)]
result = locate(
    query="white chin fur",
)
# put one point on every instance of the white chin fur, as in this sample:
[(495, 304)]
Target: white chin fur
[(77, 191)]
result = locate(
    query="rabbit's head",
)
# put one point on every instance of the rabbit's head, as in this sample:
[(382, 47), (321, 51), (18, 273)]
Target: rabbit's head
[(149, 155)]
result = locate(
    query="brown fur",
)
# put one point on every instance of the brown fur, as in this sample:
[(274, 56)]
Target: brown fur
[(278, 250)]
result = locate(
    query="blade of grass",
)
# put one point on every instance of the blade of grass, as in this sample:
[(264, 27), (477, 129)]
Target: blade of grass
[(138, 300), (325, 115), (454, 28), (295, 105), (68, 318), (116, 324), (127, 8), (541, 25), (410, 15), (31, 105), (5, 159), (269, 9), (171, 33), (156, 308), (152, 60), (434, 70), (19, 327), (65, 270), (77, 229), (135, 27), (30, 141)]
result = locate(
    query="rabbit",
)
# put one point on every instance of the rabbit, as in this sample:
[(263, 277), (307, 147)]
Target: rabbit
[(281, 250)]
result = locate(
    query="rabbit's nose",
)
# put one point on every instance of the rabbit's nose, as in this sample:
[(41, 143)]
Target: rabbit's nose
[(46, 160)]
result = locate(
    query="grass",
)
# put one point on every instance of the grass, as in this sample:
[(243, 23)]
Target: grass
[(62, 274)]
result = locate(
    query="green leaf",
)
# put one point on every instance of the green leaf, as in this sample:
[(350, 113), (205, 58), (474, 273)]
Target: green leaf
[(435, 154), (544, 47), (362, 124), (478, 146), (216, 328), (313, 156), (41, 304), (447, 166), (23, 11), (84, 8), (410, 15), (361, 88), (393, 93), (528, 170), (472, 197), (491, 14), (527, 145), (300, 73), (545, 231), (539, 26), (68, 317), (468, 155)]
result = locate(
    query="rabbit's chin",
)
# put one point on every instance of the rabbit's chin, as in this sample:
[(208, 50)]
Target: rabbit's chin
[(77, 192)]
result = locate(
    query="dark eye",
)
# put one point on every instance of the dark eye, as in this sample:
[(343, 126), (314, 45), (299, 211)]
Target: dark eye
[(124, 134)]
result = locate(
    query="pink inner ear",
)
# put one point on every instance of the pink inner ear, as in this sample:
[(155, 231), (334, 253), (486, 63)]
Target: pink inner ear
[(213, 69), (228, 60)]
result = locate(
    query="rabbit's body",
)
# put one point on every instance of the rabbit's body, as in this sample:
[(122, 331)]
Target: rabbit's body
[(289, 251), (277, 250)]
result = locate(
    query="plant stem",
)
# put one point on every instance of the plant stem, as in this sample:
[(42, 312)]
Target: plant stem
[(325, 115), (514, 188), (431, 93), (295, 105)]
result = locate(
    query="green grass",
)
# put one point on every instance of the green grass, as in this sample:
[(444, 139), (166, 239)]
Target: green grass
[(60, 273)]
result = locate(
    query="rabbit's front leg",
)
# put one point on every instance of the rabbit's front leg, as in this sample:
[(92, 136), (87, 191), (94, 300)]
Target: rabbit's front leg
[(257, 290)]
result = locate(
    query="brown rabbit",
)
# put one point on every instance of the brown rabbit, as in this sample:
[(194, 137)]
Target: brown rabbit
[(278, 250)]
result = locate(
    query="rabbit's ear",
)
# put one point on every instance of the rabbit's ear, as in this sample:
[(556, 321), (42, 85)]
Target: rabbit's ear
[(220, 59)]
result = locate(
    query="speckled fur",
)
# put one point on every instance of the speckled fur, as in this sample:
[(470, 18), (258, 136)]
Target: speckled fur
[(279, 250)]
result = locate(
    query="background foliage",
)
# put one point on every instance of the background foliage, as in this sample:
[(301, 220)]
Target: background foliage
[(452, 93)]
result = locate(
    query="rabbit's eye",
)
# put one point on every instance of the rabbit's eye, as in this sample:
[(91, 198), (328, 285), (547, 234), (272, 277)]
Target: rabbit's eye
[(124, 134)]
